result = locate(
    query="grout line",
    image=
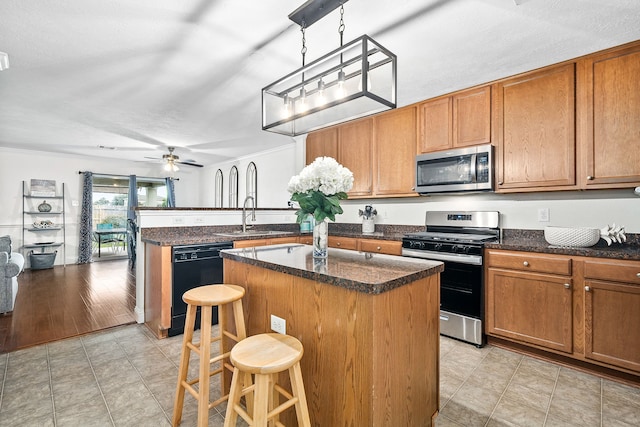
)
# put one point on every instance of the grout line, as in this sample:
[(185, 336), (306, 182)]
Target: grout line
[(601, 402), (553, 391), (53, 403), (169, 418), (95, 377), (504, 391), (4, 379)]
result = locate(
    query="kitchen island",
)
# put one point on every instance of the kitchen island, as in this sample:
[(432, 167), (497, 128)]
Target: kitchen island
[(368, 324)]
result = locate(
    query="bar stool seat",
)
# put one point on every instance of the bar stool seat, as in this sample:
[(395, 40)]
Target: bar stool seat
[(264, 356), (207, 297)]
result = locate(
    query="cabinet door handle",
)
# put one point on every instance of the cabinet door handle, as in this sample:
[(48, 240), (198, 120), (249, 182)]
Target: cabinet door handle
[(638, 275), (567, 286), (378, 248), (589, 178), (586, 288), (500, 182), (338, 244), (526, 263)]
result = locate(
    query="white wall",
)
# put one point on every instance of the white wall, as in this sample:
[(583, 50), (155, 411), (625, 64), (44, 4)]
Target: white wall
[(19, 165), (593, 208), (274, 167)]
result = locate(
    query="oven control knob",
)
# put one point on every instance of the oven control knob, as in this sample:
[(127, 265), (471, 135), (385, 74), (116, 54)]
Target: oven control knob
[(438, 246)]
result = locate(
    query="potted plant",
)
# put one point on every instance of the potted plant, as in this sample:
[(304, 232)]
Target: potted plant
[(368, 214)]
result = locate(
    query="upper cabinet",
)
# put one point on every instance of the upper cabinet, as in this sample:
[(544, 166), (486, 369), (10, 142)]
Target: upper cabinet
[(459, 120), (535, 131), (380, 151), (322, 143), (355, 151), (609, 118), (395, 152), (570, 126)]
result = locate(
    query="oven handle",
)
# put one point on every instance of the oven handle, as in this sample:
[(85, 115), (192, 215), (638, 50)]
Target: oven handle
[(443, 256)]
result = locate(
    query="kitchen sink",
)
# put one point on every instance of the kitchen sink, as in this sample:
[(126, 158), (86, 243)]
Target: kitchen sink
[(254, 233)]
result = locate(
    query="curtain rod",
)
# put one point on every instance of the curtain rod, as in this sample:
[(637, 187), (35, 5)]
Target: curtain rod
[(126, 176)]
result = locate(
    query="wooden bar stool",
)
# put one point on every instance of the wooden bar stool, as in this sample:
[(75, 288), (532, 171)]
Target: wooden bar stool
[(206, 297), (265, 356)]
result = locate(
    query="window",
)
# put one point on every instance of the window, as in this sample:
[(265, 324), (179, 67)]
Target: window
[(252, 182), (233, 187), (217, 195)]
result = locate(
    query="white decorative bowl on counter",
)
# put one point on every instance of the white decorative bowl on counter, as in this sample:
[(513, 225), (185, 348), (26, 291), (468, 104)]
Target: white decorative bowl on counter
[(574, 237)]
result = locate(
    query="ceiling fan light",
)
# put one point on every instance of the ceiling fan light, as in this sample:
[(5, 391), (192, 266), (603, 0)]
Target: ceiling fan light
[(171, 167)]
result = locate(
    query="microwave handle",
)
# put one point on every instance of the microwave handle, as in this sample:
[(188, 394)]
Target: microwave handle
[(473, 172)]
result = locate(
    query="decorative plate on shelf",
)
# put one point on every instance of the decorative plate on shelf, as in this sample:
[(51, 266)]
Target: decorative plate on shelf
[(44, 207)]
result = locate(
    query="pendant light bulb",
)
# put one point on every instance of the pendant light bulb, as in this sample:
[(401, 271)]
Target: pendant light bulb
[(321, 97), (303, 100), (340, 91), (286, 108)]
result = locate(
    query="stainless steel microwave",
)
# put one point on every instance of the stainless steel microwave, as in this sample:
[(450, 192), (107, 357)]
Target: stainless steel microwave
[(455, 170)]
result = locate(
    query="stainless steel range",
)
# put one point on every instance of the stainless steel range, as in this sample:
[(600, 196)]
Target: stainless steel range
[(457, 239)]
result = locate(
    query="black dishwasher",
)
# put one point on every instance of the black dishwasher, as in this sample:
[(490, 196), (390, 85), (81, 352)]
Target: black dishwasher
[(193, 266)]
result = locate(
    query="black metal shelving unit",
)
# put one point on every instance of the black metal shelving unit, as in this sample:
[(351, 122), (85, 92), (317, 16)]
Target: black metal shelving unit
[(30, 214)]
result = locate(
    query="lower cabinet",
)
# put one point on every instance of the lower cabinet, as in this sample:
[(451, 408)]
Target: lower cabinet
[(388, 247), (530, 307), (612, 312), (263, 242), (584, 308)]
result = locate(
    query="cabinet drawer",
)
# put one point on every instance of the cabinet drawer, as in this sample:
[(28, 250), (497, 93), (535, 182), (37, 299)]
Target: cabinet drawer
[(612, 270), (343, 242), (306, 240), (525, 261), (381, 246)]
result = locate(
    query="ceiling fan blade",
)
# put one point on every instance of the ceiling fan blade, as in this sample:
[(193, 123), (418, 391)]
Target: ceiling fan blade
[(190, 164)]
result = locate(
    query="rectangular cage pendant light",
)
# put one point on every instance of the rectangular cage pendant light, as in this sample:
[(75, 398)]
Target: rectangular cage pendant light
[(355, 80)]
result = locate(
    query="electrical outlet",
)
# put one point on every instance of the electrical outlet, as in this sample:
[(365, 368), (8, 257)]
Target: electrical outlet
[(543, 215), (278, 325)]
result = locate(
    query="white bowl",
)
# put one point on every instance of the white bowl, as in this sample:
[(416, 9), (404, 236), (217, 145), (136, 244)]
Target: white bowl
[(574, 237)]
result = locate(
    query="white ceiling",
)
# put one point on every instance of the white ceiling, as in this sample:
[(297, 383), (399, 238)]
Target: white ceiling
[(138, 76)]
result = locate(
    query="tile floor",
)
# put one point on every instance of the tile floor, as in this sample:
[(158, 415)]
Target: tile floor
[(126, 377)]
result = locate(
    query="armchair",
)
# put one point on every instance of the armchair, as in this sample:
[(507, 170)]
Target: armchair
[(11, 265)]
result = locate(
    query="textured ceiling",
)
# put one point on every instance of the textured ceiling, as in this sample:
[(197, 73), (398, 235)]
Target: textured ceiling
[(138, 76)]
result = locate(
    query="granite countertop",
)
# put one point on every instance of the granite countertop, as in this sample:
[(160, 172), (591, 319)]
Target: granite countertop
[(174, 236), (358, 271), (533, 241)]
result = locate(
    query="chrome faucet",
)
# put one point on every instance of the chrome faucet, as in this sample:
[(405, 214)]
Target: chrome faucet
[(244, 212)]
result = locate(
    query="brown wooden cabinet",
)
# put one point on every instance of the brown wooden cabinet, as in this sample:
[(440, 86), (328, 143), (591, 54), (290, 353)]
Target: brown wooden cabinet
[(609, 118), (355, 151), (388, 247), (264, 242), (460, 120), (535, 122), (394, 152), (585, 308), (380, 246), (322, 143), (612, 312), (527, 303)]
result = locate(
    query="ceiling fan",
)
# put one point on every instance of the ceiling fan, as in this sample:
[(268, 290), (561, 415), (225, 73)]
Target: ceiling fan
[(171, 160)]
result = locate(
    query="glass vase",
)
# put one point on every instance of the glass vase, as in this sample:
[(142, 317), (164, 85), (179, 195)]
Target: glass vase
[(320, 239)]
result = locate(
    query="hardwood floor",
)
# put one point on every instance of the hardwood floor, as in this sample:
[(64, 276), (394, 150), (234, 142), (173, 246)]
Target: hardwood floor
[(62, 302)]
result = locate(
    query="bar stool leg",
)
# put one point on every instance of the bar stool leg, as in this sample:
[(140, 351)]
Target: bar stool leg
[(205, 357), (184, 364), (261, 402), (234, 399), (302, 411)]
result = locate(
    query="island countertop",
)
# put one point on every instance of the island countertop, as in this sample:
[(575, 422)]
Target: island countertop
[(358, 271)]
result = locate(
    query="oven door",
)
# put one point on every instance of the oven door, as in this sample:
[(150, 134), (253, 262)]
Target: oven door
[(461, 295), (461, 289)]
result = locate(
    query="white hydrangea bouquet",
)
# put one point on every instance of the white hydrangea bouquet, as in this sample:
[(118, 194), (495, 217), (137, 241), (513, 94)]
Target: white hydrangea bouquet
[(319, 188)]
